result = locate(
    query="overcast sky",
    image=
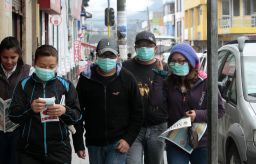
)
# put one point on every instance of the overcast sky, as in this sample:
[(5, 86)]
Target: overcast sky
[(133, 7), (136, 12), (97, 7)]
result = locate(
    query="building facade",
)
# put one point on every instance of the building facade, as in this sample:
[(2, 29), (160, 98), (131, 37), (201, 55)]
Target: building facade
[(37, 22), (179, 21), (169, 17), (195, 23), (235, 18), (17, 20)]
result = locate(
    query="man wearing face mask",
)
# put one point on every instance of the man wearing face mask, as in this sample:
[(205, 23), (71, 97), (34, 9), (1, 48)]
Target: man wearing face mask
[(44, 134), (155, 122), (111, 106)]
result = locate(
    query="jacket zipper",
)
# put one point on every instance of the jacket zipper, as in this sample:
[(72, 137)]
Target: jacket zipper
[(105, 108), (44, 124), (105, 105), (23, 131)]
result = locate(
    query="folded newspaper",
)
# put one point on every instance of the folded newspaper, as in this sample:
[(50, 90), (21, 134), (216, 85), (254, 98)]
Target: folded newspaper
[(177, 133), (6, 125), (44, 116)]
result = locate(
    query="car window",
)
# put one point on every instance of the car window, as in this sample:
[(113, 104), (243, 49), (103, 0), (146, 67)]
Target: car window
[(226, 73), (249, 77), (222, 57)]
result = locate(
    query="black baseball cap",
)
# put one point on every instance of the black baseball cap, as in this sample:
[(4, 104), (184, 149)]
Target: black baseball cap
[(105, 45), (145, 35)]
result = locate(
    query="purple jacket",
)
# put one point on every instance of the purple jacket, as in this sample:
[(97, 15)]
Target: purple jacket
[(164, 91)]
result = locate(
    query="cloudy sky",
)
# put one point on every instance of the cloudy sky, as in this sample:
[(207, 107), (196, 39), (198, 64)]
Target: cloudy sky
[(132, 6)]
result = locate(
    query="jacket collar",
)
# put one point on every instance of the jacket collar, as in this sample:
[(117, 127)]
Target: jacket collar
[(17, 70), (8, 73), (202, 76)]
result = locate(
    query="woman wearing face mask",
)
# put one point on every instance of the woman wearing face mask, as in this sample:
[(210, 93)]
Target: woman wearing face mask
[(112, 109), (185, 93), (12, 70), (44, 137)]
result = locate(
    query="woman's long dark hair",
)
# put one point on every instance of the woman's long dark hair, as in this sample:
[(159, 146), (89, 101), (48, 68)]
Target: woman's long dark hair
[(11, 42)]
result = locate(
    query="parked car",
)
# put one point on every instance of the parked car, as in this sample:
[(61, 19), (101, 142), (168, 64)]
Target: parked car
[(237, 84)]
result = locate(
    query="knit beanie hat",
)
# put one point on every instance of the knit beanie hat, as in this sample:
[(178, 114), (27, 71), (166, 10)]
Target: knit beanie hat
[(187, 51)]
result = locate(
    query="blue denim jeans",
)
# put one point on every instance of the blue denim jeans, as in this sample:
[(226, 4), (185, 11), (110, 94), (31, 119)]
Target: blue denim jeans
[(148, 144), (106, 155), (176, 155)]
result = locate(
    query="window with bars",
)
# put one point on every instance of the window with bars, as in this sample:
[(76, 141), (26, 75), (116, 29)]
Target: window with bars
[(236, 7), (17, 19), (178, 5), (225, 7), (17, 6)]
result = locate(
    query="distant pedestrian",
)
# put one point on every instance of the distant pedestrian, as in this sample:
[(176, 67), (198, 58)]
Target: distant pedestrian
[(129, 56), (39, 108), (112, 108), (147, 143), (12, 70), (185, 93)]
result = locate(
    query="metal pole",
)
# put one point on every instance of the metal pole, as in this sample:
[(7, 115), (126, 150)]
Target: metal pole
[(212, 52), (108, 20), (122, 28), (149, 26)]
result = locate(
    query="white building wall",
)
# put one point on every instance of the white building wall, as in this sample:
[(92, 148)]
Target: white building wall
[(58, 37), (27, 38), (64, 64), (179, 16), (5, 18)]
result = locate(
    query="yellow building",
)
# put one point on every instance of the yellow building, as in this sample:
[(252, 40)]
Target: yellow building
[(195, 21), (235, 17)]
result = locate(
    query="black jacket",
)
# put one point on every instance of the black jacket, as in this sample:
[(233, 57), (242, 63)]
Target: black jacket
[(111, 111), (43, 137)]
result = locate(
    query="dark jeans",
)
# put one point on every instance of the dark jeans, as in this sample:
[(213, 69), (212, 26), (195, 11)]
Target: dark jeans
[(149, 144), (105, 155), (8, 143), (176, 155)]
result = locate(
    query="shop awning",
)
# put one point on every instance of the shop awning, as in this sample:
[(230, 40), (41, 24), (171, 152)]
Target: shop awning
[(88, 45), (50, 6)]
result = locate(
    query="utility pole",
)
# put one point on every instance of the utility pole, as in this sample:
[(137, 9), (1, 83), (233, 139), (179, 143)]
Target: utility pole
[(212, 53), (108, 19), (149, 25), (122, 28)]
